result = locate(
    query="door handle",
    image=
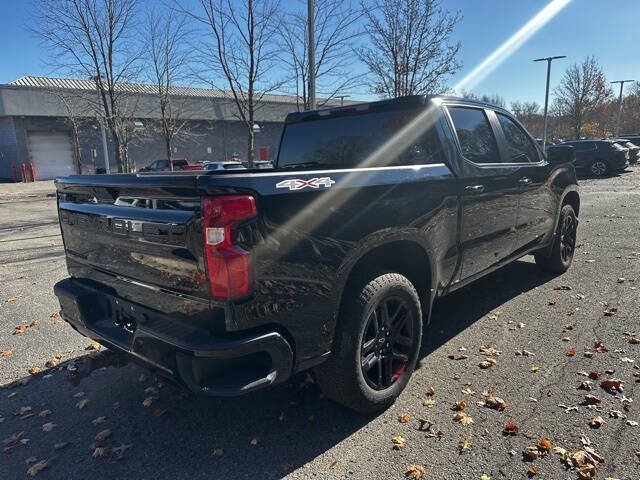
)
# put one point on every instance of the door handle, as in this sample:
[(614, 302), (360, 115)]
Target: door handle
[(524, 181), (474, 188)]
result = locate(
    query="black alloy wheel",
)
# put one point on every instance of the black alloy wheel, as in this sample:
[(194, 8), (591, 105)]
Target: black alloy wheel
[(386, 343), (568, 238)]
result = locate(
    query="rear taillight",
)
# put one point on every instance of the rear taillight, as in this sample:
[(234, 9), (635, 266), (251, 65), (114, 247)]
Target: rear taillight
[(228, 265)]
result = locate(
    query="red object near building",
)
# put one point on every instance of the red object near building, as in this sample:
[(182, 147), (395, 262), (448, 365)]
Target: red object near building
[(24, 173), (263, 153), (32, 171), (15, 173)]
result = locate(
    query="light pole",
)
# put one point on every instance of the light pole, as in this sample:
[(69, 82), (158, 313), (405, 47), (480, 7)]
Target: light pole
[(621, 82), (546, 97), (312, 59), (342, 97), (105, 150)]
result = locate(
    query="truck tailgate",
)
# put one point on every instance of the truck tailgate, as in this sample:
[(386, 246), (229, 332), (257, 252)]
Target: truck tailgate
[(144, 229)]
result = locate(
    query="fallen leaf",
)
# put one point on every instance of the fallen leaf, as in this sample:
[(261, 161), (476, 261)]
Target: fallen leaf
[(22, 410), (463, 418), (6, 353), (484, 476), (428, 402), (148, 401), (217, 452), (562, 287), (44, 413), (626, 360), (458, 356), (101, 452), (158, 412), (425, 424), (31, 459), (544, 445), (488, 363), (596, 422), (494, 402), (98, 420), (54, 360), (487, 350), (532, 471), (398, 442), (591, 400), (620, 280), (593, 375), (47, 427), (458, 406), (632, 340), (465, 444), (38, 467), (82, 403), (535, 368), (510, 429), (531, 452), (34, 370), (525, 353), (255, 440), (415, 472), (468, 391), (404, 418), (102, 435), (599, 347), (632, 423), (119, 451), (93, 346), (13, 439), (612, 385), (571, 352), (586, 385), (610, 312)]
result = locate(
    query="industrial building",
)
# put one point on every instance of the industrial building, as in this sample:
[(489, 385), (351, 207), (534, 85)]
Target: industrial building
[(36, 126)]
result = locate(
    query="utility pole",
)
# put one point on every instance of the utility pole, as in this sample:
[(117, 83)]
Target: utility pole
[(342, 97), (621, 82), (546, 97), (105, 150), (312, 55)]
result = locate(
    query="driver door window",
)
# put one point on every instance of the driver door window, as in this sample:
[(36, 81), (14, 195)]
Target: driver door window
[(521, 148)]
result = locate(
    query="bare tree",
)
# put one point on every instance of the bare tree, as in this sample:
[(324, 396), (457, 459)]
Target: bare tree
[(528, 113), (239, 48), (581, 92), (336, 31), (411, 50), (168, 56), (94, 39), (495, 99)]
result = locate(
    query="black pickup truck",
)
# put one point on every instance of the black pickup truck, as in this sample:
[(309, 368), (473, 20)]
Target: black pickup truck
[(226, 282)]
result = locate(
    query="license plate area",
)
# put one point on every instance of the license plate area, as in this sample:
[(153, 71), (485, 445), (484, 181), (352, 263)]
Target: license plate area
[(119, 326)]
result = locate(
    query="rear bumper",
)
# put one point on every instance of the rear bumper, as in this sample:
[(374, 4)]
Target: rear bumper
[(191, 356)]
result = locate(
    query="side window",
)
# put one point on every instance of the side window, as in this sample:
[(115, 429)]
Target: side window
[(475, 135), (521, 148)]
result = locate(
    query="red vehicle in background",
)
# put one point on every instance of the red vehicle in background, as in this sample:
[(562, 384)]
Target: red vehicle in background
[(178, 164)]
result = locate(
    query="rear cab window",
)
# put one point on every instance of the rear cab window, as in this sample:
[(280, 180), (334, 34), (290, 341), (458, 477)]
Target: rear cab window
[(350, 141)]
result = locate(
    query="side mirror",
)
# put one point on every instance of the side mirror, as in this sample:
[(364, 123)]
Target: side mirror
[(557, 154)]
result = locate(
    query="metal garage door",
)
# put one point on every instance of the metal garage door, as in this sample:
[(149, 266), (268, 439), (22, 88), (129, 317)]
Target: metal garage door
[(51, 154)]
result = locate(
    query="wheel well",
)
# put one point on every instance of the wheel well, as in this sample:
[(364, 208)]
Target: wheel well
[(404, 257), (573, 199)]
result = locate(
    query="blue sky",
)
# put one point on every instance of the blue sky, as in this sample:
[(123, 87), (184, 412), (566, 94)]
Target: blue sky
[(608, 29)]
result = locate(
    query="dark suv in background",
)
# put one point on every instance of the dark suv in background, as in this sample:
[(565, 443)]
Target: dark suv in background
[(599, 157)]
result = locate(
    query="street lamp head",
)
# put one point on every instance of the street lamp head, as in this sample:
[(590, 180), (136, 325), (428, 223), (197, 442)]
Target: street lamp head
[(622, 81), (548, 59)]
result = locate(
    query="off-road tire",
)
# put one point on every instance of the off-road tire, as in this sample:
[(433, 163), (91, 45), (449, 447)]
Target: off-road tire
[(341, 377), (559, 260)]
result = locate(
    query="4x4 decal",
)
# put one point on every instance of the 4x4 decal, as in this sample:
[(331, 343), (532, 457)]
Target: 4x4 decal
[(299, 184)]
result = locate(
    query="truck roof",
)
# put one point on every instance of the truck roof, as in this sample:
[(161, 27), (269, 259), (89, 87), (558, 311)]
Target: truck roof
[(412, 101)]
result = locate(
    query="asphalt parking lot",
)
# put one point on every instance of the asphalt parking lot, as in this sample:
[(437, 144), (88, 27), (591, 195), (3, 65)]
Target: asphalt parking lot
[(542, 331)]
